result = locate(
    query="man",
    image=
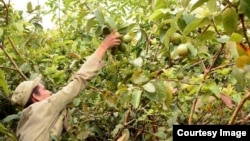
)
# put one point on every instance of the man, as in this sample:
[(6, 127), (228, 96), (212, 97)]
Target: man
[(43, 113)]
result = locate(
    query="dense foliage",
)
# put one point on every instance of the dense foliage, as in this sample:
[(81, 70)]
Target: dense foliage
[(148, 84)]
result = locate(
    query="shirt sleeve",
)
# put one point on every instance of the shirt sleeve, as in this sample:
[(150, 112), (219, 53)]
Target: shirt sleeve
[(87, 71)]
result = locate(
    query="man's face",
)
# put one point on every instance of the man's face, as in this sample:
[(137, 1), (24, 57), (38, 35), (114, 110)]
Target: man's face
[(44, 93)]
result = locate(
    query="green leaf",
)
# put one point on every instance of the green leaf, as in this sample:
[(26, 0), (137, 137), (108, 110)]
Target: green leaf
[(83, 135), (90, 22), (9, 118), (160, 92), (29, 7), (168, 34), (223, 39), (2, 129), (206, 36), (19, 27), (245, 4), (1, 32), (236, 37), (158, 14), (76, 101), (230, 19), (3, 83), (38, 7), (54, 137), (211, 4), (5, 131), (193, 25), (136, 98), (99, 16), (116, 130), (215, 89), (149, 87), (247, 75), (188, 18), (58, 74), (181, 23), (185, 3), (137, 62), (25, 67), (239, 78), (192, 49), (169, 95), (138, 77), (159, 4), (161, 134), (111, 22), (198, 4)]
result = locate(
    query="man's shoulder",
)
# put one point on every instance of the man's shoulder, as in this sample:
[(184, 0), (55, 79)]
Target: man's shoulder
[(38, 107)]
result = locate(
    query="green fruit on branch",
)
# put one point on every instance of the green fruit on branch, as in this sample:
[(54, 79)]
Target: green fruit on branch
[(126, 38), (175, 38), (118, 49), (122, 47), (182, 50), (180, 75)]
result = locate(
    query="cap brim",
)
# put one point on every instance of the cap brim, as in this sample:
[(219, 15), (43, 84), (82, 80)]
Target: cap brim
[(36, 81)]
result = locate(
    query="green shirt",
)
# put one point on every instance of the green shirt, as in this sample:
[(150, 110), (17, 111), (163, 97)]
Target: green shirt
[(42, 119)]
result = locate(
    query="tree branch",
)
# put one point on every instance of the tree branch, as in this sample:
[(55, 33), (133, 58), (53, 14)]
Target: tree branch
[(13, 62), (222, 66), (239, 106)]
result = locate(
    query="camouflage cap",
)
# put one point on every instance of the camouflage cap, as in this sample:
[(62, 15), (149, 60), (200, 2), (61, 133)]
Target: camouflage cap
[(23, 91)]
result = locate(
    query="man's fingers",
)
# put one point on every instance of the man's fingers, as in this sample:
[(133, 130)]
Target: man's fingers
[(114, 30)]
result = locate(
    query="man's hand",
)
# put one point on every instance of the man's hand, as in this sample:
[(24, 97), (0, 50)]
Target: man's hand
[(112, 40)]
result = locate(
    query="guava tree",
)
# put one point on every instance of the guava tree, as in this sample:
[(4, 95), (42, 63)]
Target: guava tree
[(180, 62)]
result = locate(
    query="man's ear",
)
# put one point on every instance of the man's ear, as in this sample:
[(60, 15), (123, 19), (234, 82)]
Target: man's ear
[(35, 97)]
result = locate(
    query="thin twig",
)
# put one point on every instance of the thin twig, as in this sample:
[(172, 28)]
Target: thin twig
[(222, 66), (181, 81), (4, 67), (206, 28), (215, 28), (14, 47), (244, 28), (244, 121), (178, 105), (239, 106), (7, 12), (190, 120), (127, 116), (138, 134), (202, 63), (217, 56), (197, 63), (125, 123)]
